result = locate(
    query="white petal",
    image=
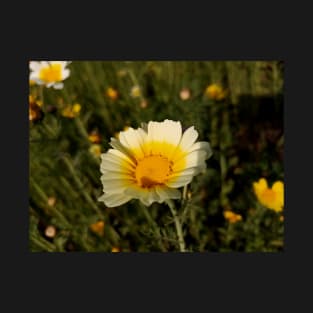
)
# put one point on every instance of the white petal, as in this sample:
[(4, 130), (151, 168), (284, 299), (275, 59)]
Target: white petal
[(108, 175), (113, 163), (34, 76), (189, 171), (202, 145), (34, 66), (119, 156), (165, 193), (145, 195), (44, 64), (65, 73), (188, 138), (112, 200), (172, 132), (134, 141), (168, 131), (116, 144), (58, 86), (193, 159), (115, 185), (179, 181)]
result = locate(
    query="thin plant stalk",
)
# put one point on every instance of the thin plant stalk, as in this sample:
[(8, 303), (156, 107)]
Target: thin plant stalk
[(178, 226), (154, 225)]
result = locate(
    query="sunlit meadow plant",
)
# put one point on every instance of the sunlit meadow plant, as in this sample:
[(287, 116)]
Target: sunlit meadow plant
[(232, 217), (49, 73), (272, 198), (150, 164), (35, 109), (215, 92)]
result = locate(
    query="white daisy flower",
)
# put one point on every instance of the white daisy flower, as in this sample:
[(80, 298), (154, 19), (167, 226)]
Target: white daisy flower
[(49, 73), (151, 162)]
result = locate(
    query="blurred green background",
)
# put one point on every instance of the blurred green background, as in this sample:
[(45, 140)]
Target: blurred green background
[(235, 105)]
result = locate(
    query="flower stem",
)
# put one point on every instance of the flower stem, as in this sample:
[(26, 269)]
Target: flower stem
[(179, 230), (154, 225)]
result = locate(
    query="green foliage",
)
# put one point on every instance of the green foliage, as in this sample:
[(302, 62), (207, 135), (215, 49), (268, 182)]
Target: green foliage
[(245, 130)]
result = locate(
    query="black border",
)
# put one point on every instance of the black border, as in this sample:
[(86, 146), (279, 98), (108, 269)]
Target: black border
[(252, 281)]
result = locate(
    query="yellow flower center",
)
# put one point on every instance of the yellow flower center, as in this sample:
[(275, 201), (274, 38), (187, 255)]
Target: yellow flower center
[(52, 73), (268, 196), (152, 170)]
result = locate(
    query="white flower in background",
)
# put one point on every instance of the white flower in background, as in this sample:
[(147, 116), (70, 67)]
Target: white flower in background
[(151, 162), (49, 73), (135, 92)]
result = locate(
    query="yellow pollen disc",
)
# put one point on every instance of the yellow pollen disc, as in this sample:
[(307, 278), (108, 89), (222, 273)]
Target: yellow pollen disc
[(152, 170), (52, 73), (268, 196)]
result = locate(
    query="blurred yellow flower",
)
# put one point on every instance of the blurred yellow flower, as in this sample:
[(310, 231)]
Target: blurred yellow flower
[(34, 112), (184, 94), (215, 91), (112, 93), (95, 149), (97, 228), (281, 218), (272, 198), (232, 217), (143, 104), (115, 249), (31, 82), (51, 201), (71, 111), (135, 92), (94, 137)]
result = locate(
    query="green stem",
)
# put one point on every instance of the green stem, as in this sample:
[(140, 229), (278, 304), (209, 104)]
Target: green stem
[(81, 187), (178, 226), (44, 198), (154, 225), (43, 244)]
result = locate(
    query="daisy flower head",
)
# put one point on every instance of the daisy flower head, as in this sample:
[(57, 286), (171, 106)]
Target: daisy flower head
[(149, 163), (49, 73), (272, 198)]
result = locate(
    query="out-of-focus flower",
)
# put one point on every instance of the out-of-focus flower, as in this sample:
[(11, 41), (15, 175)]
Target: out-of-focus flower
[(135, 92), (151, 162), (94, 137), (185, 94), (35, 111), (115, 249), (98, 228), (232, 217), (272, 198), (50, 231), (281, 218), (112, 93), (95, 149), (215, 91), (122, 73), (71, 111), (143, 103), (51, 201), (49, 73), (31, 82)]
